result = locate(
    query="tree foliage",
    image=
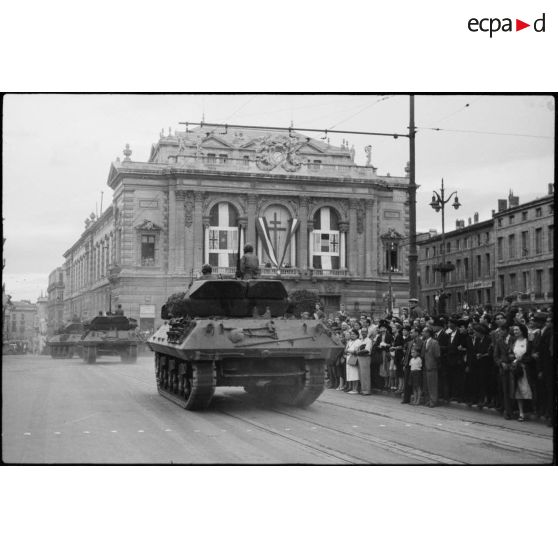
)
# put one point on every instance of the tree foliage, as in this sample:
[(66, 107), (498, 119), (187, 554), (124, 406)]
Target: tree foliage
[(303, 300)]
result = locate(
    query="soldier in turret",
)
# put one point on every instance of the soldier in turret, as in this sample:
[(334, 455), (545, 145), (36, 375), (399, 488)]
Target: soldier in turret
[(207, 271), (249, 264)]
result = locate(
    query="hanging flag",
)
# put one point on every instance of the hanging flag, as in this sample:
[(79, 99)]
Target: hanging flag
[(325, 237), (263, 229), (293, 226)]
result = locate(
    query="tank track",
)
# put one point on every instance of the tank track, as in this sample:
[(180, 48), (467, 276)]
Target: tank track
[(311, 388), (190, 385)]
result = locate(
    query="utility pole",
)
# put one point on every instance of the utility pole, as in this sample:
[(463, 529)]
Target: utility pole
[(413, 256)]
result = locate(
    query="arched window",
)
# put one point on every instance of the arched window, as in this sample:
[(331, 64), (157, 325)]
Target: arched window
[(325, 239), (222, 242)]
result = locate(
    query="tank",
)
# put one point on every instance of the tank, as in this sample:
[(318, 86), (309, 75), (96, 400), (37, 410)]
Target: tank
[(233, 333), (65, 343), (110, 335)]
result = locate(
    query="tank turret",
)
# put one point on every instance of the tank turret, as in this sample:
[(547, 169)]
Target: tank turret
[(235, 333)]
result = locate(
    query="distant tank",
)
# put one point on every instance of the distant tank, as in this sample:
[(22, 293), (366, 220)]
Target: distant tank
[(110, 335), (65, 343), (233, 333)]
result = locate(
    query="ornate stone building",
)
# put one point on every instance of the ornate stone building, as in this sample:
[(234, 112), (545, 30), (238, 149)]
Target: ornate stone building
[(312, 214)]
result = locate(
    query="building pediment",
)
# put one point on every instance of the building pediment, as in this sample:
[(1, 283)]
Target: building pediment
[(113, 173), (215, 143), (148, 225)]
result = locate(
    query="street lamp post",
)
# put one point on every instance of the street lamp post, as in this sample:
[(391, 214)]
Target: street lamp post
[(438, 203)]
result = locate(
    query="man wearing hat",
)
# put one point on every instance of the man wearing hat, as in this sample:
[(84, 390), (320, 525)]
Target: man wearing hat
[(480, 365), (249, 264), (207, 271), (543, 354), (455, 358), (415, 311), (502, 344)]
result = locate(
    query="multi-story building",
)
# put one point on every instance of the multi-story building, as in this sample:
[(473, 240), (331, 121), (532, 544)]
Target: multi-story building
[(525, 249), (470, 250), (312, 214), (55, 305), (510, 254), (21, 319)]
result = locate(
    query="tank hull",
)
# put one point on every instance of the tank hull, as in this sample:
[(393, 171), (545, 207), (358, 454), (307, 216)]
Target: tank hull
[(280, 358), (64, 345)]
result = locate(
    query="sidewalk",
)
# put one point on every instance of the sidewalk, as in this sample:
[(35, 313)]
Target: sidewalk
[(530, 417)]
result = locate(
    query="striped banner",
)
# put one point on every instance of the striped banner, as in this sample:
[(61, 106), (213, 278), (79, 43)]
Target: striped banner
[(293, 226), (263, 229)]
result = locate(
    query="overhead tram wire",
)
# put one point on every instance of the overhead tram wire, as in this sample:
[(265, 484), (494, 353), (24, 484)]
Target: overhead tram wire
[(484, 132), (295, 128), (384, 98)]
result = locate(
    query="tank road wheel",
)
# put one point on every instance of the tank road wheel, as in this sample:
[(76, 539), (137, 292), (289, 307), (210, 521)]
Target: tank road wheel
[(310, 387), (190, 385), (90, 355)]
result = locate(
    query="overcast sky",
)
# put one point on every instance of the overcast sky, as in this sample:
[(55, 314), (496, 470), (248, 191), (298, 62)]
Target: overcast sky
[(57, 150)]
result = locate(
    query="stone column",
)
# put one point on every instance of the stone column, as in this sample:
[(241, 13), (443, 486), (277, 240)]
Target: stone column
[(352, 240), (205, 221), (171, 244), (198, 232), (369, 245), (251, 226), (180, 232), (309, 243), (303, 233), (343, 228)]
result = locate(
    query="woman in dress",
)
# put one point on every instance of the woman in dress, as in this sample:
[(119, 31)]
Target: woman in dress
[(351, 355), (383, 344), (365, 349), (521, 361)]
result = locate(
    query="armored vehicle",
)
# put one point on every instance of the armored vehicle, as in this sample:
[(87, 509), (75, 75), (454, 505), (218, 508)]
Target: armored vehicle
[(233, 333), (65, 343), (110, 335)]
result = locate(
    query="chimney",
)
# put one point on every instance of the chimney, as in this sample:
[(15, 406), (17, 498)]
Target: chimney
[(476, 217), (432, 232), (493, 212), (514, 201), (502, 205), (470, 221), (550, 188)]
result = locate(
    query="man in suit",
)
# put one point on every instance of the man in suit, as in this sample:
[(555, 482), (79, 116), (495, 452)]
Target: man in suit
[(442, 336), (502, 343), (455, 358), (481, 361), (430, 363), (543, 352)]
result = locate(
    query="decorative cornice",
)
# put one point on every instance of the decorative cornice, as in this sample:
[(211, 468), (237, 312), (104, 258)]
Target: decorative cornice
[(148, 225)]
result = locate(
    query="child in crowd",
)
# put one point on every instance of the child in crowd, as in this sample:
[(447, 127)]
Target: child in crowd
[(415, 364)]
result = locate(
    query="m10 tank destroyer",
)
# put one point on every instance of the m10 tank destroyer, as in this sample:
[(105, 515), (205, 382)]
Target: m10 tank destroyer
[(65, 343), (233, 333), (110, 335)]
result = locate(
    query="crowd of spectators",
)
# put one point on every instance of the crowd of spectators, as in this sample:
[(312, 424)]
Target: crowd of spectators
[(501, 360)]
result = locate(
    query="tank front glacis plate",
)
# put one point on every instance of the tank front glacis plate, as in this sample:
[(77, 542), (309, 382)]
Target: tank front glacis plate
[(216, 339)]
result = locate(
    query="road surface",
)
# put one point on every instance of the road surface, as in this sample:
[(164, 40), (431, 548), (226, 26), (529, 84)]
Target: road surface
[(66, 411)]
